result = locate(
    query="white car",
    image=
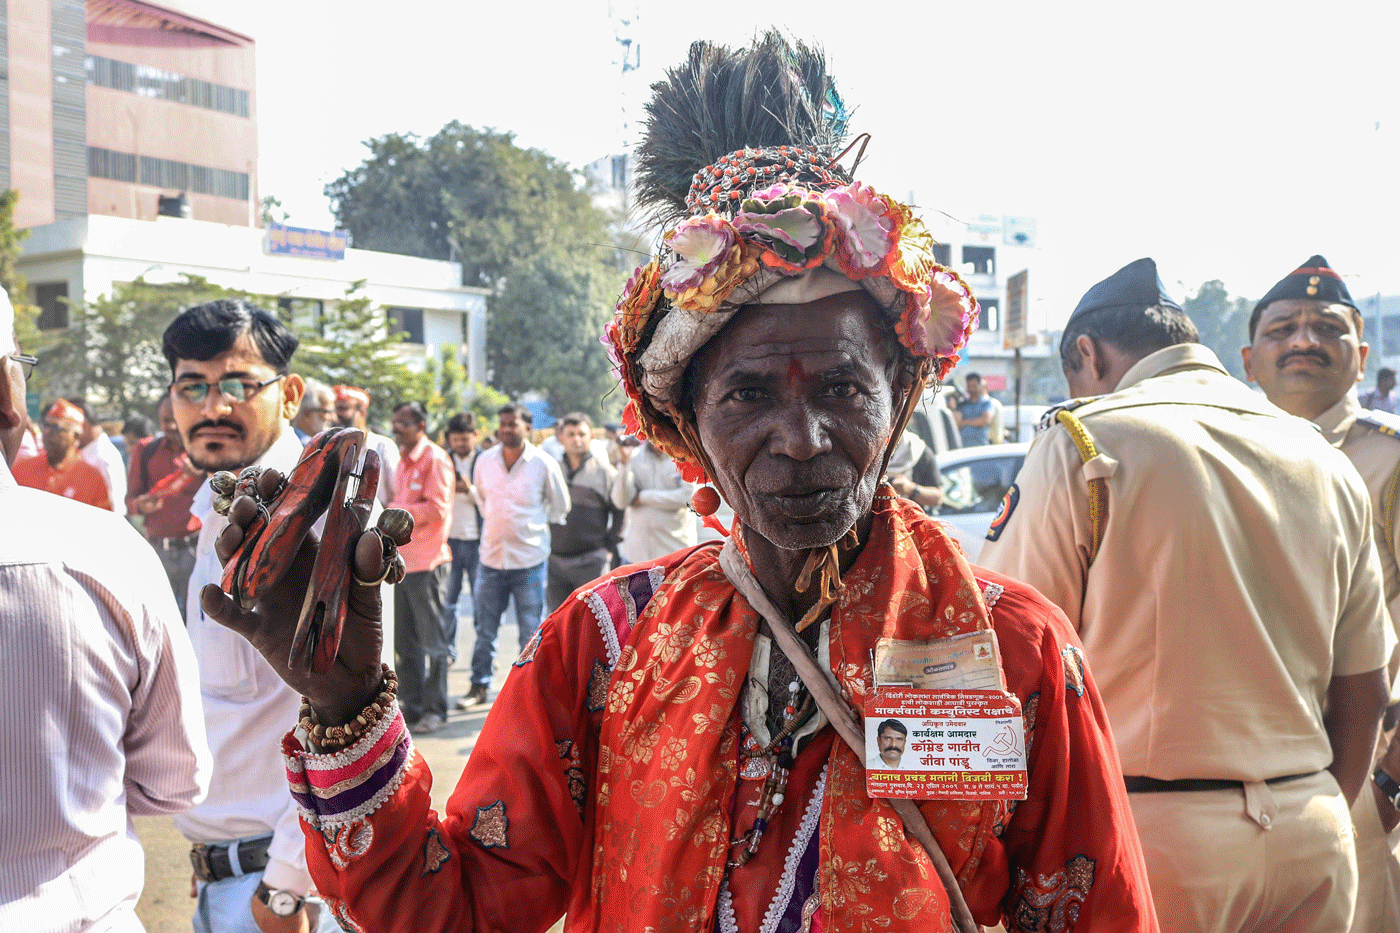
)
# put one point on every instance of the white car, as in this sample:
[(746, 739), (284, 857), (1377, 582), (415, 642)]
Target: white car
[(975, 479)]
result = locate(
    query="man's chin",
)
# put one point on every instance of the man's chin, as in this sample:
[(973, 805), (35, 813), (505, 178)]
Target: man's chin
[(212, 460)]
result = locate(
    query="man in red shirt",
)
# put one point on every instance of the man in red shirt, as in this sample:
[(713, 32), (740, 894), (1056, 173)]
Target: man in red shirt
[(161, 484), (423, 487), (62, 470)]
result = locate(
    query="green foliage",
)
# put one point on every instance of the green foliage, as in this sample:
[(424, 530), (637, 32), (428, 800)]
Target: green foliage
[(454, 393), (466, 194), (272, 211), (1223, 322), (11, 279), (110, 353), (543, 334), (351, 345)]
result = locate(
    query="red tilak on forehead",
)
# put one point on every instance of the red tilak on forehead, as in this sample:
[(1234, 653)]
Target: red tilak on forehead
[(796, 371)]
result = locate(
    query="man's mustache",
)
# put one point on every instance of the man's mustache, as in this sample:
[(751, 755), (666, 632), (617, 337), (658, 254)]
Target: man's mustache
[(1318, 355), (219, 424)]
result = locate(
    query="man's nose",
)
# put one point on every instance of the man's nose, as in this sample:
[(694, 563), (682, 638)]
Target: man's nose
[(799, 433), (215, 403), (1303, 336)]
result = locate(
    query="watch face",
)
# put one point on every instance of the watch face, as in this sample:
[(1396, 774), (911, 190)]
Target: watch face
[(282, 903)]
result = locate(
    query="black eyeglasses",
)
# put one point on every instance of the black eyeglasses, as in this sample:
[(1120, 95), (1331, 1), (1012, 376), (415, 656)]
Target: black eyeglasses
[(27, 363), (236, 390)]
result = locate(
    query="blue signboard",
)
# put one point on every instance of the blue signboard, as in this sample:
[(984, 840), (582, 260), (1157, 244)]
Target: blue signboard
[(309, 244)]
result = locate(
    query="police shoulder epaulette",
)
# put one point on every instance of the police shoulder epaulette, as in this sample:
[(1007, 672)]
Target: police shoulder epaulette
[(1381, 422), (1050, 418)]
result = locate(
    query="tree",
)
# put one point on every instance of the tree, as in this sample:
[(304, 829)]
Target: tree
[(455, 393), (543, 335), (469, 195), (1223, 322), (110, 353), (11, 279), (271, 209), (353, 345)]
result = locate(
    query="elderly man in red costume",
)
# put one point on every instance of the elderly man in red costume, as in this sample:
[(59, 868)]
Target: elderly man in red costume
[(674, 750)]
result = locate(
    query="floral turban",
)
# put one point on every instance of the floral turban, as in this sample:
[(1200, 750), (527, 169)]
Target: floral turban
[(789, 243)]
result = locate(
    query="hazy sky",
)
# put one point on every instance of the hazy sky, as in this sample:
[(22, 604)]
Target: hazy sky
[(1227, 140)]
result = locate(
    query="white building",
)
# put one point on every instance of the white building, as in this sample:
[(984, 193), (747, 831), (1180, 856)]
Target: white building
[(83, 258), (987, 251)]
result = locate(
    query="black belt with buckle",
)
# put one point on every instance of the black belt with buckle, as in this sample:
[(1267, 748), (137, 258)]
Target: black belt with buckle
[(213, 863), (176, 544), (1147, 785)]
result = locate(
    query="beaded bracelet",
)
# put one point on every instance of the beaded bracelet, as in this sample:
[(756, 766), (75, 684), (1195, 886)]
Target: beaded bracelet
[(338, 737)]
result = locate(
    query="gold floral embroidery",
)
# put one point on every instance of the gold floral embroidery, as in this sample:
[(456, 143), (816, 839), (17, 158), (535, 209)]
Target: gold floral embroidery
[(889, 833), (707, 651), (671, 640), (673, 754), (489, 827), (620, 695)]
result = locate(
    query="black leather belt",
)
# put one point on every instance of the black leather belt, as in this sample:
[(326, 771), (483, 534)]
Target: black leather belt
[(1147, 785), (176, 544), (213, 863)]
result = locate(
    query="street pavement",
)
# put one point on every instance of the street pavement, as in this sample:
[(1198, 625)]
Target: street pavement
[(166, 905)]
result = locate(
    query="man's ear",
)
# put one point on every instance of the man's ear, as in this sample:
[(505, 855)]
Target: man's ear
[(1247, 354), (1363, 349), (12, 413), (1090, 355), (292, 391)]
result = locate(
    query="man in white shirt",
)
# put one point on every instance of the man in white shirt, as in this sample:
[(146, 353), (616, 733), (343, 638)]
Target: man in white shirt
[(234, 398), (111, 727), (657, 501), (99, 451), (464, 531), (520, 490)]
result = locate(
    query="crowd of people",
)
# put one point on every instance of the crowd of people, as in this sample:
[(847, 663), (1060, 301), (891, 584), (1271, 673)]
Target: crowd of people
[(1187, 605)]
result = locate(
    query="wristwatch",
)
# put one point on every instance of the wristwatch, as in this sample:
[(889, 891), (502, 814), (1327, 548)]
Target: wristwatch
[(281, 903), (1388, 787)]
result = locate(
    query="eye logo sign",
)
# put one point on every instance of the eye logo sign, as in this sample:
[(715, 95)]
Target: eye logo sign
[(1008, 505)]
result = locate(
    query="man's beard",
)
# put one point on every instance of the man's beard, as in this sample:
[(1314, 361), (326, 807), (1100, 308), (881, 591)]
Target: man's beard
[(225, 458)]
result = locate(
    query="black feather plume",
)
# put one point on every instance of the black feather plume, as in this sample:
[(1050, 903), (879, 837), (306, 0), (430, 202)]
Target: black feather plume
[(721, 100)]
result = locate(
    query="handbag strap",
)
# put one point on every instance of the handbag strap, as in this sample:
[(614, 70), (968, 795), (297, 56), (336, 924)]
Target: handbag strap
[(843, 717)]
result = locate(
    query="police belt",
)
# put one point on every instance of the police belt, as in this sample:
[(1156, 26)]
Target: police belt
[(1147, 785), (217, 862), (176, 544)]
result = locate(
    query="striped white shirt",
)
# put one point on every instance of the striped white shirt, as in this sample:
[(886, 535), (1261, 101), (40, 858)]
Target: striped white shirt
[(104, 721)]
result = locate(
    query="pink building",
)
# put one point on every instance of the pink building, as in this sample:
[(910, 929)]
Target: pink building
[(112, 104)]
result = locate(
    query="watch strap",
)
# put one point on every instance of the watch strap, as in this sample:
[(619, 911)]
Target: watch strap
[(1388, 786), (265, 895)]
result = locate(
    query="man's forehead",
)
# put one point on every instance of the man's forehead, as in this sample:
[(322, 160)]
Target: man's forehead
[(811, 354), (242, 357), (1291, 308)]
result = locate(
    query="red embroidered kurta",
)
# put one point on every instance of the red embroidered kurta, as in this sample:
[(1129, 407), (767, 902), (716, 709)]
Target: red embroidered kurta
[(516, 848)]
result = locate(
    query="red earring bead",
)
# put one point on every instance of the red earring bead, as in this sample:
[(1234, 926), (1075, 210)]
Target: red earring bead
[(705, 501)]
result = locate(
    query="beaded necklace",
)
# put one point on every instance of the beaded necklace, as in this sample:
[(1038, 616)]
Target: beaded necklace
[(775, 761)]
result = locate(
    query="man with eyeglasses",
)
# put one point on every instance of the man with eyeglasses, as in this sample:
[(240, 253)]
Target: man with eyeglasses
[(234, 398), (62, 470), (93, 649)]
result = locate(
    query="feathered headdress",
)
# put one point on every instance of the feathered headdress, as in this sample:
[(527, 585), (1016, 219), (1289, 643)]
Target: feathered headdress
[(740, 162)]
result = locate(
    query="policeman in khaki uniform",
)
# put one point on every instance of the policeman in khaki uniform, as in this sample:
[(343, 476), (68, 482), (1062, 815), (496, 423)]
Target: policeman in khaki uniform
[(1239, 647), (1307, 355)]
